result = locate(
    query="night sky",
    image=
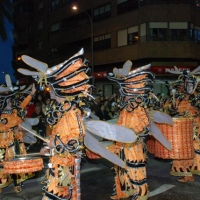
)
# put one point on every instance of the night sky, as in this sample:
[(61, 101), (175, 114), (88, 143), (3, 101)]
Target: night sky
[(6, 55)]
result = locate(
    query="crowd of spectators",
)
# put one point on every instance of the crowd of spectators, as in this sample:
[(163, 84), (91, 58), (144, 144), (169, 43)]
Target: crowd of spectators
[(106, 108), (36, 109)]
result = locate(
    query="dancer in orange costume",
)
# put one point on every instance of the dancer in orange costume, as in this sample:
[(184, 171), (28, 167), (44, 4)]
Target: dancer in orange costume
[(68, 84), (185, 104), (11, 134), (135, 97)]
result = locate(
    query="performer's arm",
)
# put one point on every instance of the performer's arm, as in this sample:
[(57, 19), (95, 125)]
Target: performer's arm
[(26, 101)]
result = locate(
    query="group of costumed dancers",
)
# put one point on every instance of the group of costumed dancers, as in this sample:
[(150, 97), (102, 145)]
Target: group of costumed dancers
[(183, 104), (74, 129)]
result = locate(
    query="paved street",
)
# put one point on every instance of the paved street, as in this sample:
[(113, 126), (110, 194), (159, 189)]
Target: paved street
[(97, 181)]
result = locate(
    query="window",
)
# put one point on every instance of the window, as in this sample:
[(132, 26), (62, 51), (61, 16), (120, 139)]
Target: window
[(40, 25), (54, 4), (197, 34), (26, 6), (178, 31), (158, 31), (102, 12), (128, 36), (133, 35), (40, 5), (55, 27), (192, 32), (102, 42)]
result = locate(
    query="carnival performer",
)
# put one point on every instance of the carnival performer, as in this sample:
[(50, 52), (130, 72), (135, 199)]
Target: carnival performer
[(136, 92), (65, 117), (185, 104), (11, 134)]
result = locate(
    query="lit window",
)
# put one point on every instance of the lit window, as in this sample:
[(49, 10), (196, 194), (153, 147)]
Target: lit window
[(133, 35)]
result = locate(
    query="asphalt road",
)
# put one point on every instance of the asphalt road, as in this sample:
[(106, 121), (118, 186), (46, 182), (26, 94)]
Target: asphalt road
[(97, 180)]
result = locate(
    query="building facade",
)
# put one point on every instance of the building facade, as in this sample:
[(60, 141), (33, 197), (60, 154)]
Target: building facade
[(165, 33)]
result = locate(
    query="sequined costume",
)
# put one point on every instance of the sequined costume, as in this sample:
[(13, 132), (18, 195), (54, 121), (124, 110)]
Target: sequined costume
[(68, 86), (135, 97)]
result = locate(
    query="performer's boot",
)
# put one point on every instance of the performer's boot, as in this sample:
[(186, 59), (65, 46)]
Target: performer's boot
[(186, 179), (17, 187), (122, 196)]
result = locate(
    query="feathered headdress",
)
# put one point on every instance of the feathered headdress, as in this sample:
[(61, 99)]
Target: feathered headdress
[(132, 82), (135, 84), (66, 79)]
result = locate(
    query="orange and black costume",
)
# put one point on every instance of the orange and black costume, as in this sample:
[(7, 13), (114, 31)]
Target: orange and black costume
[(67, 81), (135, 89)]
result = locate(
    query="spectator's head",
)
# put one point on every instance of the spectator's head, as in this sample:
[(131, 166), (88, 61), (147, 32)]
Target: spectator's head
[(38, 107), (97, 99), (47, 100), (101, 98), (105, 102), (102, 107)]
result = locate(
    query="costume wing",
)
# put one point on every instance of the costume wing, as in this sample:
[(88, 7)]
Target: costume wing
[(112, 121), (40, 66), (4, 89), (110, 131), (8, 81), (28, 72), (156, 132), (160, 117), (93, 116), (93, 144)]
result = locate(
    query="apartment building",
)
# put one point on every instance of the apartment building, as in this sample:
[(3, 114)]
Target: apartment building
[(165, 33)]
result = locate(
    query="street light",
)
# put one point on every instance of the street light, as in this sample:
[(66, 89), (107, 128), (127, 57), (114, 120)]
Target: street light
[(92, 47)]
